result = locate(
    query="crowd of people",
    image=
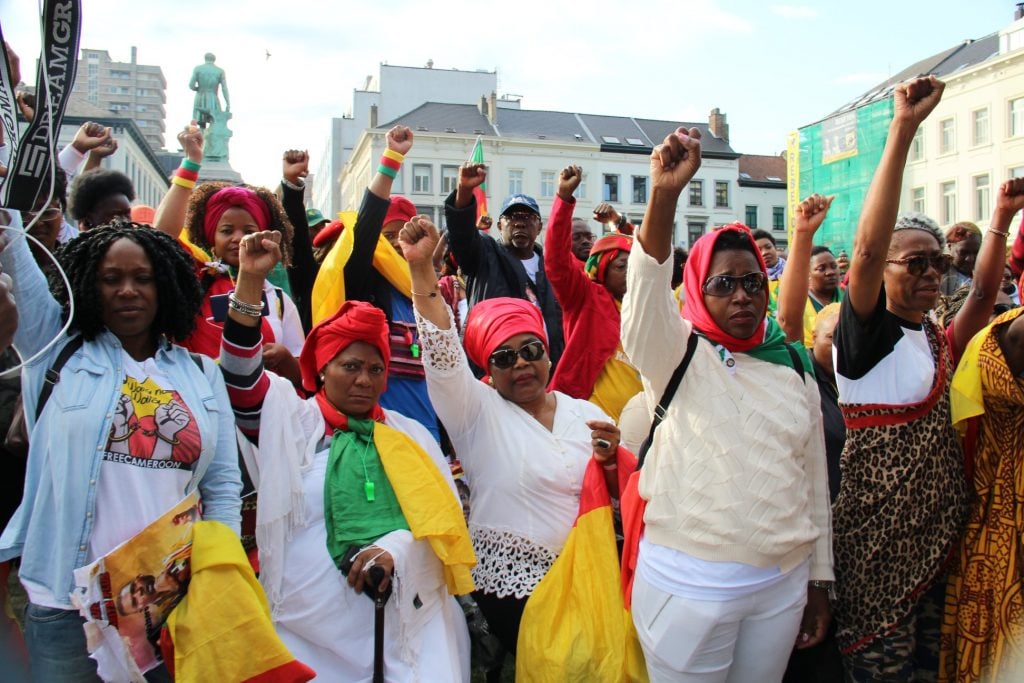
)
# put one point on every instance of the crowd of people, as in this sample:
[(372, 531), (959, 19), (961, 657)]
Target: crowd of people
[(828, 448)]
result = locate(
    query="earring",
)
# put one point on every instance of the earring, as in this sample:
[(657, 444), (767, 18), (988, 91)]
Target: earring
[(321, 377)]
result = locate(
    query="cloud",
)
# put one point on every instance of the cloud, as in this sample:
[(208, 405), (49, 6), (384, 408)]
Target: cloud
[(795, 11), (863, 77)]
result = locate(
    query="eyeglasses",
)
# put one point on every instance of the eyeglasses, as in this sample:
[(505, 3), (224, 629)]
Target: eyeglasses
[(524, 216), (47, 214), (724, 285), (999, 309), (503, 359), (918, 265)]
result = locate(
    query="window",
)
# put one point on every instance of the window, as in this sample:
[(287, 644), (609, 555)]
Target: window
[(142, 92), (981, 197), (421, 178), (917, 199), (721, 194), (696, 193), (639, 189), (515, 182), (751, 216), (141, 108), (449, 179), (917, 145), (1016, 172), (948, 192), (126, 75), (947, 136), (611, 188), (980, 120), (1017, 117), (581, 191), (547, 183), (778, 218), (694, 230), (119, 106)]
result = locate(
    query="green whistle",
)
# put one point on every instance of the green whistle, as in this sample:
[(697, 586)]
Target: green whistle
[(368, 488)]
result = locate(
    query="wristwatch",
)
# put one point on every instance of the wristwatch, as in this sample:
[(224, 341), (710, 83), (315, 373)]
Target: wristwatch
[(828, 586)]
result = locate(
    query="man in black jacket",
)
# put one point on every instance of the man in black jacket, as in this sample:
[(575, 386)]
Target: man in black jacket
[(512, 267)]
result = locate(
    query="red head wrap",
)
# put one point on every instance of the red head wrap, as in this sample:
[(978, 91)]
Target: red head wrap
[(229, 197), (328, 233), (604, 252), (696, 272), (492, 322), (401, 209), (354, 321)]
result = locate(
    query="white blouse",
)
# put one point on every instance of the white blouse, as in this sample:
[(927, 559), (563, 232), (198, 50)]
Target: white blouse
[(524, 480)]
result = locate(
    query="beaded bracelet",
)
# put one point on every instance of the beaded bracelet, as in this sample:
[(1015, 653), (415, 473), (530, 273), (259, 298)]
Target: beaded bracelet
[(246, 309), (390, 163)]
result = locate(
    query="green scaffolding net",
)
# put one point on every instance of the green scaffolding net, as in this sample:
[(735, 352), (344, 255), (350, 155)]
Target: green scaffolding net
[(838, 156)]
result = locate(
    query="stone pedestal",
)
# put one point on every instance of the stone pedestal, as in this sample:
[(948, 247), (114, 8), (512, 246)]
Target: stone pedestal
[(219, 170)]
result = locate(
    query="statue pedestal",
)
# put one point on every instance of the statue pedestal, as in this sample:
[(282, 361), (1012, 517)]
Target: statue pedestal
[(219, 170)]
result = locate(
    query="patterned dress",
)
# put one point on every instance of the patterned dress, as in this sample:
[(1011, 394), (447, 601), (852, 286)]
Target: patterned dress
[(984, 615)]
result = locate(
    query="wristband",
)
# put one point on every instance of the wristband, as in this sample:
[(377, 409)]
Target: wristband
[(190, 165), (181, 182), (187, 175), (390, 163)]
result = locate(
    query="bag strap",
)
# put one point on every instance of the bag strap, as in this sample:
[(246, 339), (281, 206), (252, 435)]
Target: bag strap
[(53, 374), (666, 397)]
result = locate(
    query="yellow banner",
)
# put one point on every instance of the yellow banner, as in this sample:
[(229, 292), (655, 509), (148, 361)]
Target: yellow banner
[(792, 181)]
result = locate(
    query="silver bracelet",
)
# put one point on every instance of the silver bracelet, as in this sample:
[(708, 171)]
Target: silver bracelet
[(247, 309)]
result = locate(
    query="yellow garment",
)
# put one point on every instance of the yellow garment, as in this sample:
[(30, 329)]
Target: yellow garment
[(197, 253), (618, 382), (428, 504), (983, 621), (773, 296), (222, 630), (329, 288), (575, 626)]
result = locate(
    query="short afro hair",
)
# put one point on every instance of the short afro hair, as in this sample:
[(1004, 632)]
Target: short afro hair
[(92, 187), (912, 220), (820, 249), (195, 216), (178, 297), (764, 235)]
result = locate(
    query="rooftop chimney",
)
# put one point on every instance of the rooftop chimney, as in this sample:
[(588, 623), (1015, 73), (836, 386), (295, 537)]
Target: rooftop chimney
[(430, 63), (482, 106), (492, 108), (717, 125), (1019, 12), (373, 116), (135, 50)]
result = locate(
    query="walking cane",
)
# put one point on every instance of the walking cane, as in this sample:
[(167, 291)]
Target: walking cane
[(376, 575)]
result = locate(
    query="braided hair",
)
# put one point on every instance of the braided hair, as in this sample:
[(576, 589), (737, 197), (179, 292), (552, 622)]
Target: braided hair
[(195, 216), (177, 288)]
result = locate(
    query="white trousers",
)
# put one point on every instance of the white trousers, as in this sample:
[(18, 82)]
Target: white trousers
[(734, 641)]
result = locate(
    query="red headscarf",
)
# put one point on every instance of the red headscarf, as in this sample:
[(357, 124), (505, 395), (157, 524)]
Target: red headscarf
[(401, 209), (354, 321), (604, 252), (229, 197), (696, 272), (492, 322)]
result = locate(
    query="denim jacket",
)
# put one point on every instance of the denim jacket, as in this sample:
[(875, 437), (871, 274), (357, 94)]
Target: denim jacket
[(52, 526)]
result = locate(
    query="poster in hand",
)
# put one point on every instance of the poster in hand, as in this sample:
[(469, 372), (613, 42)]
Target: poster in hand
[(126, 595)]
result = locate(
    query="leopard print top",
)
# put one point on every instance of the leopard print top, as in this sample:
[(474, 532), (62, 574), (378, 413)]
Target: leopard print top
[(901, 505)]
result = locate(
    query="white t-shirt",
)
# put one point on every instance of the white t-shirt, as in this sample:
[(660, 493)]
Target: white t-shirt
[(532, 265)]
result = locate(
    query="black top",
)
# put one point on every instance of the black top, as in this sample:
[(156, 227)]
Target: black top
[(303, 271), (835, 428)]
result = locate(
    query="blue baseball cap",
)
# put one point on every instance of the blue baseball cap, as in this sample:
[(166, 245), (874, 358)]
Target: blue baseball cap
[(515, 200)]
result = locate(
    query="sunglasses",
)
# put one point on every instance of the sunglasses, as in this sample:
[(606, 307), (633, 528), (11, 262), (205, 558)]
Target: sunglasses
[(503, 359), (918, 265), (724, 285)]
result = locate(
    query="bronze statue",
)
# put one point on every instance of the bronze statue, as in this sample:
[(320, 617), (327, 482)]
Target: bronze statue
[(206, 79)]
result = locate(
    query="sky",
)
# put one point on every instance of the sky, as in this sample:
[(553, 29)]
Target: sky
[(771, 67)]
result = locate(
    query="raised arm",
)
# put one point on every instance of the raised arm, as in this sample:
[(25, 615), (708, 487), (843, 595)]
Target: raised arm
[(359, 273), (302, 272), (418, 240), (101, 151), (460, 214), (913, 102), (988, 268), (563, 270), (673, 165), (810, 214), (170, 215)]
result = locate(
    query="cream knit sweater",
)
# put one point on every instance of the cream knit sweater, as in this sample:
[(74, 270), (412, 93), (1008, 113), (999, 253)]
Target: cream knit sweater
[(737, 470)]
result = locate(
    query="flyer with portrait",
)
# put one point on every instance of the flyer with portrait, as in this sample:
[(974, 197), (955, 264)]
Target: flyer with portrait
[(126, 595)]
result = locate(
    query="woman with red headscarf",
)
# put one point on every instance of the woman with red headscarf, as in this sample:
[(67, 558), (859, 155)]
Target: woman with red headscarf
[(524, 449), (590, 299), (344, 484), (736, 538)]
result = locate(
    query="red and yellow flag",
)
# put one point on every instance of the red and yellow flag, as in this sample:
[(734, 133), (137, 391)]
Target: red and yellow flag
[(575, 626), (480, 193)]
